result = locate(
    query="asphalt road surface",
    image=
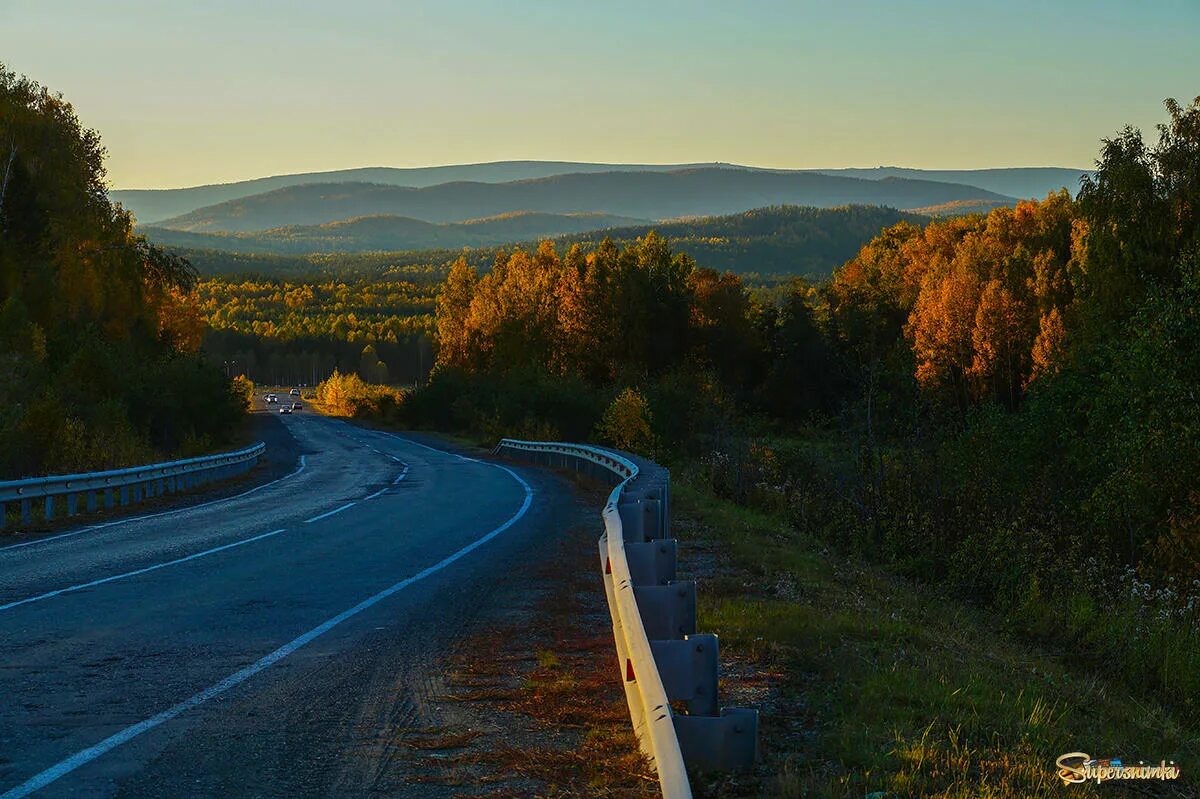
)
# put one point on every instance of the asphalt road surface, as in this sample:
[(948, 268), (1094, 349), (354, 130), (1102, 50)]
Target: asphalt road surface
[(264, 644)]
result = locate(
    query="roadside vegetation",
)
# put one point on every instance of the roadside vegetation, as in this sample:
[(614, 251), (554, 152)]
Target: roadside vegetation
[(870, 684), (988, 420), (99, 330)]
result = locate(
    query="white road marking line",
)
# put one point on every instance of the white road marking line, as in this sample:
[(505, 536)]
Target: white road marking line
[(403, 474), (91, 527), (330, 513), (377, 493), (64, 767), (136, 572), (440, 451)]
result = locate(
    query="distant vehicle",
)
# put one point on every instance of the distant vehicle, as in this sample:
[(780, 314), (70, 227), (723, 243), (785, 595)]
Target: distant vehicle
[(296, 406), (272, 398), (284, 409), (295, 392)]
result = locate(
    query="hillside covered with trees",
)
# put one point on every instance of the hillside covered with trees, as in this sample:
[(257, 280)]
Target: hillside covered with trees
[(641, 195), (766, 245), (1000, 405), (154, 205), (99, 331)]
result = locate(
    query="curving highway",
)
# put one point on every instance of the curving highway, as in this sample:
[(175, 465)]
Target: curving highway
[(265, 644)]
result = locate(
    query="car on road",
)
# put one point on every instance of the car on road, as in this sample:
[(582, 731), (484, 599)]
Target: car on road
[(296, 406), (270, 398), (284, 409), (295, 392)]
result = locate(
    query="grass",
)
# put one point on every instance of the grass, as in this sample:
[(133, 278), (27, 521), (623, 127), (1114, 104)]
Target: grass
[(870, 686)]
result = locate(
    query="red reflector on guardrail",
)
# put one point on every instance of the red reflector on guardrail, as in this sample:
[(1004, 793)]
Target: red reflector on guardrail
[(629, 670)]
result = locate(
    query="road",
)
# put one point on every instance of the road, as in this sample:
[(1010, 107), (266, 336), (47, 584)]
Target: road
[(266, 644)]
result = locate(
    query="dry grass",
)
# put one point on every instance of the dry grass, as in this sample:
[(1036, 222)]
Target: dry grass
[(551, 709)]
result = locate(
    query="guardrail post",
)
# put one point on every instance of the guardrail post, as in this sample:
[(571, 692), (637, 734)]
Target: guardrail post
[(652, 523), (689, 671), (26, 511), (651, 562), (668, 611), (49, 512), (632, 519), (728, 742)]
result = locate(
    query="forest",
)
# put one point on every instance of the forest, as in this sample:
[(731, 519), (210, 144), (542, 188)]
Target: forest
[(281, 332), (765, 245), (1002, 405), (100, 362)]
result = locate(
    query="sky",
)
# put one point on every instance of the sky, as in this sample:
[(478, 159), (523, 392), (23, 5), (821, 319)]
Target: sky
[(186, 93)]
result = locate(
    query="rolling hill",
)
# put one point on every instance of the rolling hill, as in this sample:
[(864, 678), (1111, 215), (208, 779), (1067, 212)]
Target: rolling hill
[(644, 195), (777, 241), (1022, 182), (154, 205), (959, 208), (390, 233)]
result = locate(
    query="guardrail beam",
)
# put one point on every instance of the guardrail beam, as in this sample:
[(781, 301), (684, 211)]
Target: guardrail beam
[(668, 611), (134, 484), (660, 656)]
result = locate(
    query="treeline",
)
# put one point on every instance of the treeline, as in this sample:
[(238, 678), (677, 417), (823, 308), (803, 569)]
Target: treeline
[(1002, 405), (99, 332)]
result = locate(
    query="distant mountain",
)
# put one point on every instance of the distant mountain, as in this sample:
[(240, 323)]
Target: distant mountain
[(1021, 182), (644, 195), (390, 233), (776, 242), (154, 205)]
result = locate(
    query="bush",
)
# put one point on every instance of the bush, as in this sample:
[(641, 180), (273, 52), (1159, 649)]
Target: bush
[(349, 395), (626, 424)]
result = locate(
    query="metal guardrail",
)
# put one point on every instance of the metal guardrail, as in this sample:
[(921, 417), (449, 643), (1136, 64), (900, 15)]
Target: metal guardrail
[(123, 485), (660, 656)]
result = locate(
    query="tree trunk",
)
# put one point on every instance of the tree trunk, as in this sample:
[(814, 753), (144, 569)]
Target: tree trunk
[(12, 156)]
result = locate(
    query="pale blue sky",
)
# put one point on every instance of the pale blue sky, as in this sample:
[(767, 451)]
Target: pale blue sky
[(219, 90)]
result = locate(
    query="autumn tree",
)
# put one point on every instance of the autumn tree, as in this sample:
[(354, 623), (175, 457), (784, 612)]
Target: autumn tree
[(103, 368)]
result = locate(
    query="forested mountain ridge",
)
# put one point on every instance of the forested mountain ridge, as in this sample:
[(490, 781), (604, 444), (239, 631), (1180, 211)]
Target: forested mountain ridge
[(645, 195), (391, 233), (779, 240), (154, 205), (1023, 182)]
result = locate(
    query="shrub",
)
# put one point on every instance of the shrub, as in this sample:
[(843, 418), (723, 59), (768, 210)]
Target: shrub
[(626, 423)]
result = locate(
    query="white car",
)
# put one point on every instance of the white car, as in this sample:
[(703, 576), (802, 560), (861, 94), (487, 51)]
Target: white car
[(284, 409)]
